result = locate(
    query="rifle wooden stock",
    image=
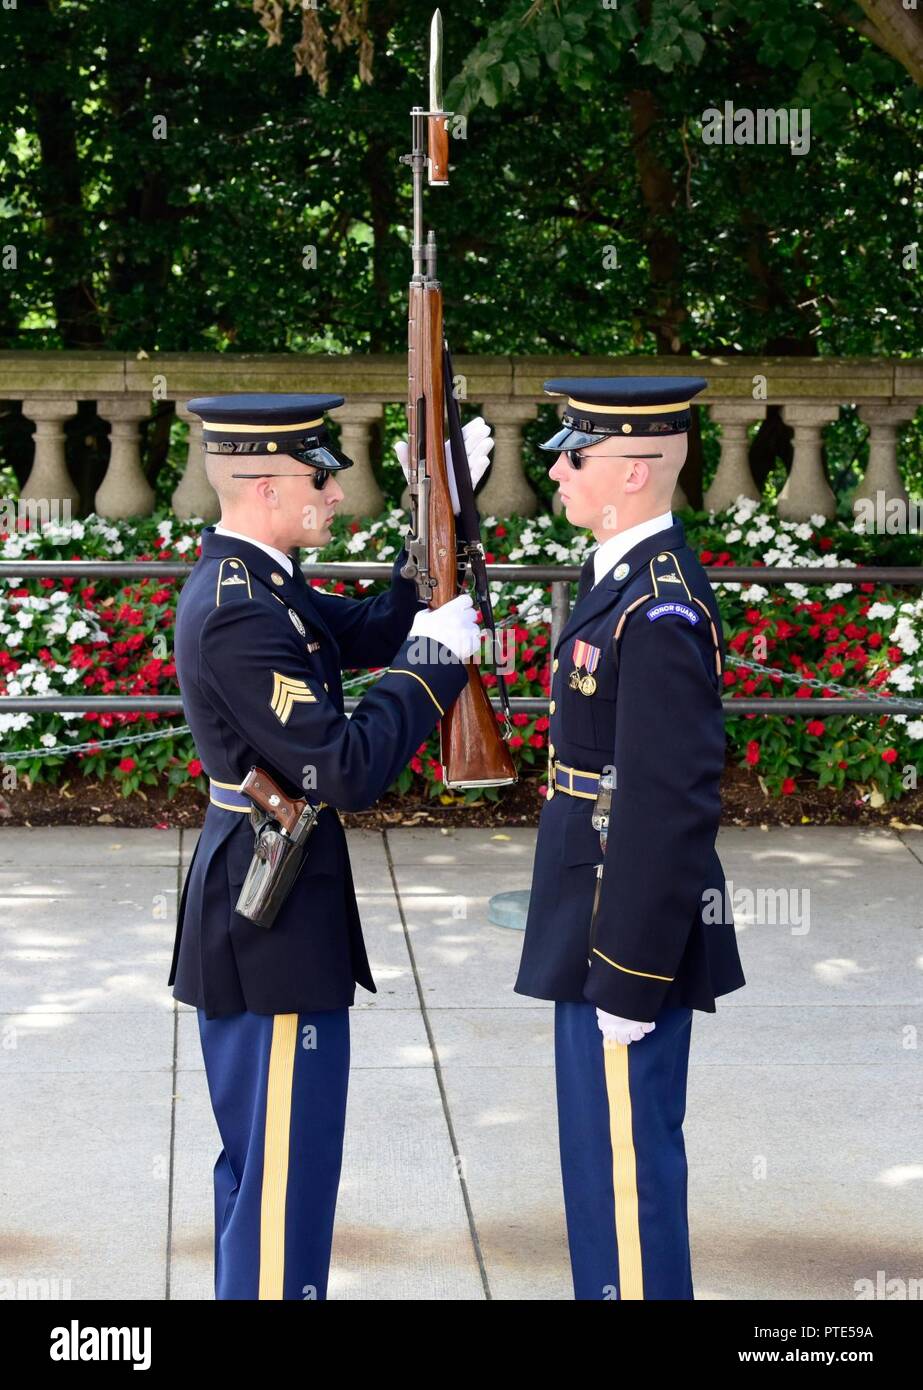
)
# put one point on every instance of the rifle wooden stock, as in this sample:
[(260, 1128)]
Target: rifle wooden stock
[(473, 750)]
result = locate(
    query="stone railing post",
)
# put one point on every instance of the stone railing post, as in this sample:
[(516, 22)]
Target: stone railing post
[(49, 481), (806, 491), (507, 492), (733, 477), (363, 496), (124, 491), (194, 495), (882, 475)]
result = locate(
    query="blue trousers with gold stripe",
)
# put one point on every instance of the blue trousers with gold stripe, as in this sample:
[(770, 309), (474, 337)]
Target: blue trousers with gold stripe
[(623, 1161), (278, 1089)]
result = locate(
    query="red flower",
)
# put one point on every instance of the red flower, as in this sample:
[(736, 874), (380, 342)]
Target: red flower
[(842, 764), (788, 786), (889, 755), (753, 752), (541, 724), (837, 669), (815, 727), (127, 765), (730, 677), (415, 764), (875, 640), (520, 720), (194, 768), (499, 530), (516, 741), (825, 543), (536, 741), (706, 557)]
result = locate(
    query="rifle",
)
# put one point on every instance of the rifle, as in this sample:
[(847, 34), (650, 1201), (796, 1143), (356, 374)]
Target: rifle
[(440, 553)]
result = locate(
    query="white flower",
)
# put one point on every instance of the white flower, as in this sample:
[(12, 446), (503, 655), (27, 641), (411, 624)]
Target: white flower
[(60, 596), (903, 636), (48, 740), (818, 520), (24, 619), (755, 592), (733, 536), (881, 610), (70, 676), (165, 528), (837, 590), (803, 531), (77, 630), (182, 545), (902, 677), (798, 591), (385, 551), (11, 722), (915, 729)]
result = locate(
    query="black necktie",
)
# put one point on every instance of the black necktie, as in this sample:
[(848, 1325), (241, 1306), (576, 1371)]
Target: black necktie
[(587, 578)]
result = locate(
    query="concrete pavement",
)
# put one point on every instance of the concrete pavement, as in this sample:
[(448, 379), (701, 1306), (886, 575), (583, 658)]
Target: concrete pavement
[(803, 1126)]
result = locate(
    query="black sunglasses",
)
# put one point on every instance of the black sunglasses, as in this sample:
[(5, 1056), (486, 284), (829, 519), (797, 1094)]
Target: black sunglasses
[(576, 460), (320, 476)]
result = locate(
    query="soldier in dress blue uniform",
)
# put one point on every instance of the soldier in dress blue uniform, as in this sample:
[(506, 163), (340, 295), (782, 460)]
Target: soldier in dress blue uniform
[(623, 937), (259, 653)]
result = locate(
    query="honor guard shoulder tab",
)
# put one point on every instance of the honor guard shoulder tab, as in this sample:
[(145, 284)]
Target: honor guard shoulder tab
[(233, 580)]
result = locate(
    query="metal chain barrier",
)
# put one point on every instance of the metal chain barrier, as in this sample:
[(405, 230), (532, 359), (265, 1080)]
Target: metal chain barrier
[(849, 692)]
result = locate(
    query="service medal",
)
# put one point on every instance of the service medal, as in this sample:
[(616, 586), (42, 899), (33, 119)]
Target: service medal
[(588, 685), (299, 625)]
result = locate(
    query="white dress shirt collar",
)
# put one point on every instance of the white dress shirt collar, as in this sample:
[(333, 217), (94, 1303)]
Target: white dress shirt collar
[(612, 550), (279, 556)]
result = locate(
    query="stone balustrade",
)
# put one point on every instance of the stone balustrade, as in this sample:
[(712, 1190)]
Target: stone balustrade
[(507, 391)]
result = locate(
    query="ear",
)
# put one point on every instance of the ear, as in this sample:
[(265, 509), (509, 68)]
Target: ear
[(265, 492), (637, 476)]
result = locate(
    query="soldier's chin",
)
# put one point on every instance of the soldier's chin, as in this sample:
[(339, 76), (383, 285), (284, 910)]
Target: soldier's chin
[(573, 513)]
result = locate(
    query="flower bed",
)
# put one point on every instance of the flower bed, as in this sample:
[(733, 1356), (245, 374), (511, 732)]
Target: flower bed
[(115, 637)]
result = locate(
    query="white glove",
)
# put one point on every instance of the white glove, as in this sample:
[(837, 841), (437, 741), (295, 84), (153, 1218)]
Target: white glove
[(453, 624), (478, 443), (621, 1030)]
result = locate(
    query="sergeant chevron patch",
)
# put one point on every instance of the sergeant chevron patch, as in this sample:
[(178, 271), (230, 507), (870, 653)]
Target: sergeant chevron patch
[(288, 691)]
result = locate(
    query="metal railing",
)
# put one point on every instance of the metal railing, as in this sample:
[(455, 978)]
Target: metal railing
[(559, 577)]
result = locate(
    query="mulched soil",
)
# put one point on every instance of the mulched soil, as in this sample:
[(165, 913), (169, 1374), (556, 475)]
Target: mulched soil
[(95, 803)]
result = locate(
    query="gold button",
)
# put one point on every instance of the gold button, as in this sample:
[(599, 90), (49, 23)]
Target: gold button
[(271, 447), (235, 565), (661, 557), (276, 577), (551, 707), (551, 750), (626, 429), (554, 664)]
